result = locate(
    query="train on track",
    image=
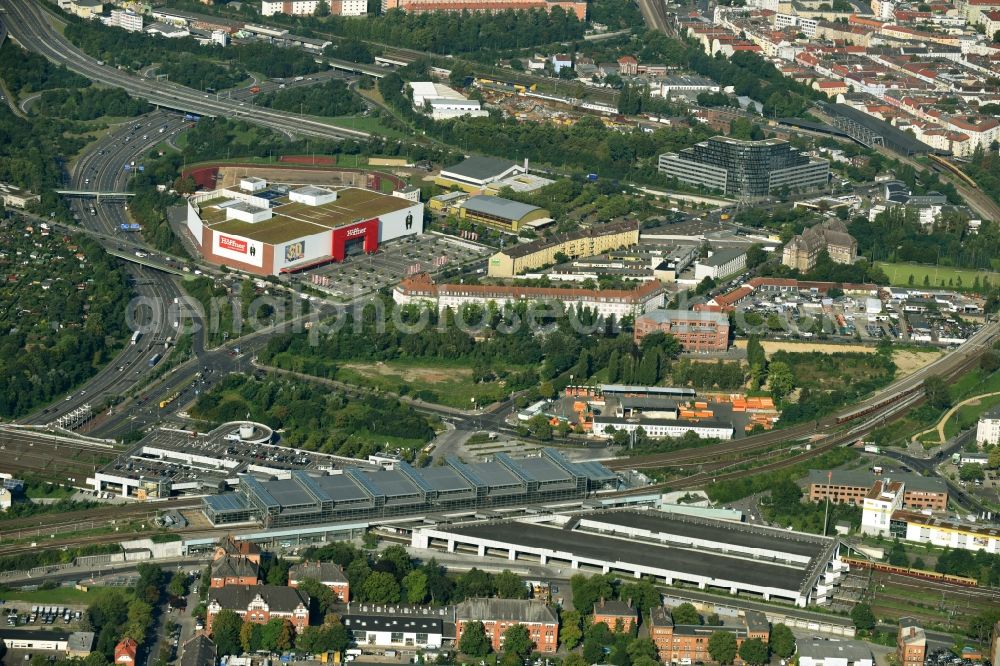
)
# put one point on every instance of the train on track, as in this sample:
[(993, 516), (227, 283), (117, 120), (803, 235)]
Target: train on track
[(911, 572), (952, 169)]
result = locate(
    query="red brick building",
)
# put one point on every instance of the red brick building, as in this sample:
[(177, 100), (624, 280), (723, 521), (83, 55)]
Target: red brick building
[(618, 615), (493, 6), (911, 643), (234, 570), (498, 615), (850, 487), (228, 545), (329, 574), (688, 644), (695, 330), (259, 603)]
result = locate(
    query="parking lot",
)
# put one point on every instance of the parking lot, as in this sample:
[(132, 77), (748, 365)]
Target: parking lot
[(360, 274), (40, 615)]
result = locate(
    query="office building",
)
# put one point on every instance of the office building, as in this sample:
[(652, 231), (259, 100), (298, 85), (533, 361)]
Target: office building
[(883, 499), (746, 169), (498, 615), (589, 242), (911, 643), (696, 331), (126, 20), (988, 428), (944, 533), (802, 251), (721, 263), (16, 197), (849, 486)]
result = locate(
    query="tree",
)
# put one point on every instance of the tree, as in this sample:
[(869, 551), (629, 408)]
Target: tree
[(569, 629), (993, 462), (588, 590), (510, 586), (250, 636), (517, 640), (722, 647), (226, 632), (321, 598), (380, 588), (329, 637), (782, 641), (780, 379), (686, 613), (643, 594), (474, 583), (897, 555), (473, 641), (937, 393), (981, 626), (277, 573), (178, 585), (322, 8), (398, 560), (415, 584), (754, 652), (863, 617), (971, 472), (641, 648)]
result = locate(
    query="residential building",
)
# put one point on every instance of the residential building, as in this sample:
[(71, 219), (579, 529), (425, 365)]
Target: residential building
[(721, 263), (259, 603), (883, 499), (475, 173), (290, 7), (229, 545), (234, 570), (86, 9), (988, 429), (16, 197), (199, 651), (748, 169), (517, 259), (371, 625), (618, 615), (812, 652), (443, 102), (696, 331), (126, 651), (688, 644), (126, 20), (499, 213), (560, 61), (911, 643), (803, 250), (619, 303), (498, 615), (329, 574), (844, 486), (576, 7)]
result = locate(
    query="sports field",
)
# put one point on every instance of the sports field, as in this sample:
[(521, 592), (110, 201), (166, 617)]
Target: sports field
[(899, 275)]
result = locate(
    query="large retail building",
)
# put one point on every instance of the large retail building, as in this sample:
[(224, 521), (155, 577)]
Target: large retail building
[(268, 230), (745, 168)]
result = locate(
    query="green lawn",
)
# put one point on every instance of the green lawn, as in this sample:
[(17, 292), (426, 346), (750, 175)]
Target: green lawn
[(59, 595), (364, 124), (899, 275), (968, 415)]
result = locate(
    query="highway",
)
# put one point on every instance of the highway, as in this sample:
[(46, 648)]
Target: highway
[(102, 167), (30, 24)]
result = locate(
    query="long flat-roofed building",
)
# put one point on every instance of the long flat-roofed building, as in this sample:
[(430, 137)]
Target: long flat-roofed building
[(500, 213), (745, 168), (356, 494), (476, 172), (278, 231), (575, 7), (519, 259), (775, 564), (619, 303), (849, 486)]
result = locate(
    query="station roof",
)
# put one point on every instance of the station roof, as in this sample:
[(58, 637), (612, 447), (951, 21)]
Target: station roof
[(698, 562), (292, 220)]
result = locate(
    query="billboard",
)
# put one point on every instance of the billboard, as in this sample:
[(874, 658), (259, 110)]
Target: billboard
[(239, 249), (295, 252)]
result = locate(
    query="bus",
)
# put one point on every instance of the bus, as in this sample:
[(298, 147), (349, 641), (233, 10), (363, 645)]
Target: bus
[(153, 361), (136, 336)]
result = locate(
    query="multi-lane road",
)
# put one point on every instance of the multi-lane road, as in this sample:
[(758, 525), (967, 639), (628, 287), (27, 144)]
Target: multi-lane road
[(32, 26)]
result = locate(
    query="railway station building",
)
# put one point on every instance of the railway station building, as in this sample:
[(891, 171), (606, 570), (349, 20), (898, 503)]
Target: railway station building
[(301, 498), (794, 567)]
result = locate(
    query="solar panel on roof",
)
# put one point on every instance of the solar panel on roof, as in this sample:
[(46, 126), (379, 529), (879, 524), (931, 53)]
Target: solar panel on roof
[(362, 480)]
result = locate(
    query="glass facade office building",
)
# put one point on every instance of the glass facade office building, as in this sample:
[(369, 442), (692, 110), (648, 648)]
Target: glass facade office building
[(745, 168)]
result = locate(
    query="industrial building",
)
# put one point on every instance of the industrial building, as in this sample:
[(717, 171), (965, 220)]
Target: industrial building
[(396, 626), (812, 652), (475, 173), (499, 213), (697, 331), (606, 426), (356, 494), (273, 230), (849, 486), (778, 564), (746, 169), (518, 259), (443, 102), (618, 303)]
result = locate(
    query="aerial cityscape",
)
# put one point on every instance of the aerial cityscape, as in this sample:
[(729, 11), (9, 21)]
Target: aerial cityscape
[(500, 332)]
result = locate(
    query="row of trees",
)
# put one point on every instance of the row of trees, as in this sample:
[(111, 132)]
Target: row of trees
[(90, 103), (331, 98)]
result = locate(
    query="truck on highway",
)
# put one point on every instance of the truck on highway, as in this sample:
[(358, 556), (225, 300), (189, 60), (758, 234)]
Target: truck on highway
[(871, 448), (136, 336), (154, 360)]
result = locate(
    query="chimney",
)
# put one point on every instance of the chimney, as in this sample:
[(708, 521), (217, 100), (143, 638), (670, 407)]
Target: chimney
[(913, 632), (602, 602), (629, 602), (525, 165)]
